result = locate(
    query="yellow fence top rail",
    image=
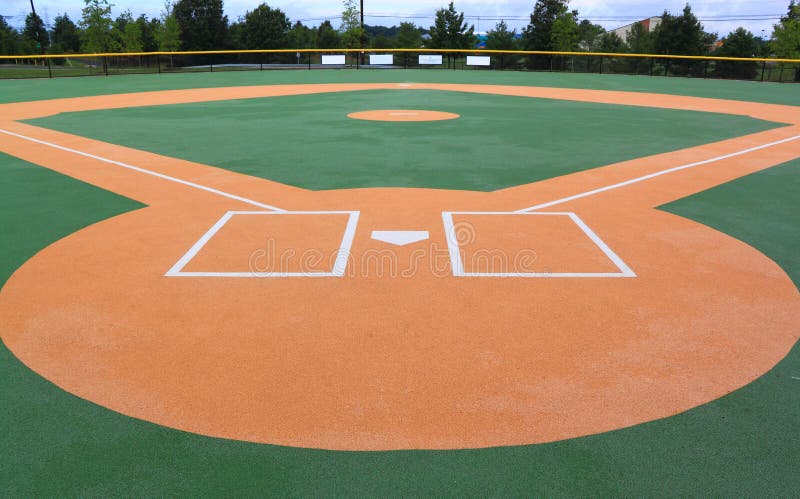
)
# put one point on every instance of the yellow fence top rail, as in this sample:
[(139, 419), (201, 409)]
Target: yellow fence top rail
[(417, 51)]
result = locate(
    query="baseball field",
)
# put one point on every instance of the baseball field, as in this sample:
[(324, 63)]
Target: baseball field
[(399, 282)]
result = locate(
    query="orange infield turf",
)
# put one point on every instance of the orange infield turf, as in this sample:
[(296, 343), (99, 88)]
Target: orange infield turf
[(242, 308)]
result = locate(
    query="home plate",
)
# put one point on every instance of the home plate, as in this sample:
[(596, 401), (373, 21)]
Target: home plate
[(400, 237)]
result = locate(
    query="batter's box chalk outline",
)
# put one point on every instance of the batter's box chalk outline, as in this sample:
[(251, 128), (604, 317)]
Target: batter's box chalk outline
[(339, 265), (457, 264)]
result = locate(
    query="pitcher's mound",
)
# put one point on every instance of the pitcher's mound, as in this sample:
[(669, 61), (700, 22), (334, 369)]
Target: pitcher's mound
[(402, 115)]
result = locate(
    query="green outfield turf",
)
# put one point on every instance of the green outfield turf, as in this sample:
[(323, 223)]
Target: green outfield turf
[(55, 444), (25, 90), (499, 141)]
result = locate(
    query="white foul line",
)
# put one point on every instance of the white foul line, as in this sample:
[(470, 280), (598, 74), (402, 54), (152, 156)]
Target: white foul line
[(148, 172), (653, 175)]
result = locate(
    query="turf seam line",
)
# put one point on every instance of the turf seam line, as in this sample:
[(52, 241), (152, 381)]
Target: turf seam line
[(653, 175), (148, 172)]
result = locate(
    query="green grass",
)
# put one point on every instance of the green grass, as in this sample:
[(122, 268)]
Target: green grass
[(55, 444), (17, 91), (499, 141)]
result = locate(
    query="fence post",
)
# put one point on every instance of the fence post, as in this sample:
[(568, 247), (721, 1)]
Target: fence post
[(158, 63), (705, 69), (601, 64), (763, 68), (309, 60), (211, 63)]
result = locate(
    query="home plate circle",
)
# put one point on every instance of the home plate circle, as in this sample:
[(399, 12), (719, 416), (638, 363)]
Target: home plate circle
[(402, 115)]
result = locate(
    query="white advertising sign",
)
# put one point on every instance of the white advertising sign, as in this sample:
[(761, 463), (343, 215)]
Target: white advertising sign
[(381, 59), (333, 59), (478, 60), (430, 59)]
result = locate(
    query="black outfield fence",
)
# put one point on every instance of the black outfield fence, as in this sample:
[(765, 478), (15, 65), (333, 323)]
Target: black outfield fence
[(63, 65)]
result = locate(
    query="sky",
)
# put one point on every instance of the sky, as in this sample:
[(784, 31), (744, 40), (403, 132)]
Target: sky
[(717, 16)]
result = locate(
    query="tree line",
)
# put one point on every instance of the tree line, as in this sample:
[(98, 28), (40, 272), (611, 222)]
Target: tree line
[(202, 25)]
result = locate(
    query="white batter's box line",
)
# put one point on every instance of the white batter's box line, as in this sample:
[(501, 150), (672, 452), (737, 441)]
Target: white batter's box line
[(339, 266), (457, 264)]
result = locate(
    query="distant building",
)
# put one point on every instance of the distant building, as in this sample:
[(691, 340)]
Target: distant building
[(649, 25)]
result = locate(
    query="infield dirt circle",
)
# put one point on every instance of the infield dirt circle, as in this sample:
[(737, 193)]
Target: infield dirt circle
[(403, 357), (402, 115)]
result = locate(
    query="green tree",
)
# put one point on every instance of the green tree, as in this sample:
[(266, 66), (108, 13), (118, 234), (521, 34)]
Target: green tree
[(792, 13), (564, 36), (500, 38), (149, 29), (126, 33), (96, 25), (409, 36), (169, 36), (9, 39), (327, 37), (265, 28), (203, 24), (786, 35), (450, 31), (740, 43), (640, 40), (383, 42), (66, 38), (589, 35), (611, 43), (35, 33), (353, 35), (236, 34), (301, 37), (537, 35), (681, 35)]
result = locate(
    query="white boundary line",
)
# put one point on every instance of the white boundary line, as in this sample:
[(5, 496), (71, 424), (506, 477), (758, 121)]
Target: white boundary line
[(339, 266), (653, 175), (457, 264), (148, 172)]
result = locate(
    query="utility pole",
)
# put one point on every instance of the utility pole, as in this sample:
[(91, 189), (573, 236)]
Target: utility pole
[(39, 39), (363, 33)]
